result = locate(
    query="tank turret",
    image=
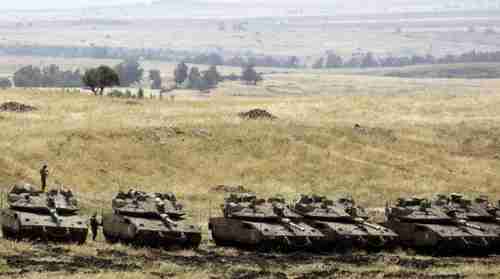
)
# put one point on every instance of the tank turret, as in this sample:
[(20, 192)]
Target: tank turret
[(343, 223), (51, 215), (152, 219), (263, 224)]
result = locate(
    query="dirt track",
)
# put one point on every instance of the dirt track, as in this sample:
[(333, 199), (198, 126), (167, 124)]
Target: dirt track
[(242, 265)]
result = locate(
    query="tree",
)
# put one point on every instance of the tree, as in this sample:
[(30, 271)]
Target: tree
[(28, 76), (181, 73), (5, 83), (369, 60), (319, 63), (155, 77), (194, 78), (249, 75), (91, 79), (292, 62), (129, 72), (97, 79), (49, 76), (333, 61), (140, 93), (211, 77)]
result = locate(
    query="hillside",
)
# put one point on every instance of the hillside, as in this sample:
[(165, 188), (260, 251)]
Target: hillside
[(414, 137)]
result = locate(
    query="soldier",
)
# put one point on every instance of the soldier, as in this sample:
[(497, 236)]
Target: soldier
[(94, 226), (44, 174)]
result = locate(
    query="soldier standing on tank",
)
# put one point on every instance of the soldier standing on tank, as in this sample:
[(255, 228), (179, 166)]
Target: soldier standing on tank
[(44, 174), (94, 226)]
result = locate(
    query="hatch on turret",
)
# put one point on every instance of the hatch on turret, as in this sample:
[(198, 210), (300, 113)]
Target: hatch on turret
[(322, 208), (248, 206), (150, 205)]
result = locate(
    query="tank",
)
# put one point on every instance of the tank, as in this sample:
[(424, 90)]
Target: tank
[(46, 216), (150, 219), (250, 222), (478, 212), (343, 223), (427, 225)]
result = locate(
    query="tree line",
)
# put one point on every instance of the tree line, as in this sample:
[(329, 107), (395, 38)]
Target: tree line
[(160, 54), (48, 76), (370, 60), (194, 79), (219, 58), (127, 73)]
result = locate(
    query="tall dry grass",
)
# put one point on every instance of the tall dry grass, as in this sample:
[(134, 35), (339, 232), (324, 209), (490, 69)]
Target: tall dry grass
[(417, 138)]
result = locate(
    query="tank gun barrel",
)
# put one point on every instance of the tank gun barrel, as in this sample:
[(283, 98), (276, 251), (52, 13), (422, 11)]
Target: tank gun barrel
[(168, 222), (464, 223), (361, 221), (473, 226), (373, 226), (289, 223)]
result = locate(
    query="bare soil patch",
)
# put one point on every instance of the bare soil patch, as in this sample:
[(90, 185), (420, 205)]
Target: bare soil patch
[(230, 189), (16, 107), (242, 265)]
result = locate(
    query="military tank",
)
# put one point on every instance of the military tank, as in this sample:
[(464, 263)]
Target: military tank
[(425, 225), (479, 213), (150, 219), (261, 224), (343, 223), (47, 216)]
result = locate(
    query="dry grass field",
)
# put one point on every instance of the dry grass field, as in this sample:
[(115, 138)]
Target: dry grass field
[(417, 137)]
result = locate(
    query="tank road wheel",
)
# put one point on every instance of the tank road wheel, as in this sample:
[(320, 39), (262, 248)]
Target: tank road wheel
[(79, 237), (110, 239), (7, 234), (193, 241), (219, 242), (131, 233), (131, 230), (267, 246)]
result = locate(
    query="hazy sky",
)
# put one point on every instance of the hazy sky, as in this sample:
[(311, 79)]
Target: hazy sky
[(49, 4)]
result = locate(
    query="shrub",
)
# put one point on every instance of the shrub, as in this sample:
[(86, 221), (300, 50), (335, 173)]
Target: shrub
[(116, 94)]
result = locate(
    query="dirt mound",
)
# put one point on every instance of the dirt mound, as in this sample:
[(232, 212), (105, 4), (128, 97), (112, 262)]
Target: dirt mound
[(256, 114), (230, 189), (16, 107)]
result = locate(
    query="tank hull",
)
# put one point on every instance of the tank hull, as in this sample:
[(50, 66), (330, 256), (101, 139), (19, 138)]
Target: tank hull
[(348, 236), (31, 226), (264, 235), (150, 232), (444, 238), (491, 228)]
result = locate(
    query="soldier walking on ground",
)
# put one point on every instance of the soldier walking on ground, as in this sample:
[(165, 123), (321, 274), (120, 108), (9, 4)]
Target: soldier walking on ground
[(44, 174), (94, 226)]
